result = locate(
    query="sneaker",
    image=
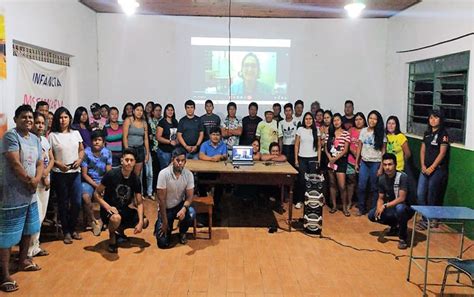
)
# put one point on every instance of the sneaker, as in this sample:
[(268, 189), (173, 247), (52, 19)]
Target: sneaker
[(96, 227), (76, 236), (299, 205), (121, 237), (393, 231), (182, 238), (402, 244), (67, 238)]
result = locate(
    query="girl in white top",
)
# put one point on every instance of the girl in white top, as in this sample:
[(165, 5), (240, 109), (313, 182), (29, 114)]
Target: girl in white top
[(39, 128), (68, 152), (307, 151)]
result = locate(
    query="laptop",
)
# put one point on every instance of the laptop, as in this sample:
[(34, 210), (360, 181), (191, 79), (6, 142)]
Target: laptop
[(242, 155)]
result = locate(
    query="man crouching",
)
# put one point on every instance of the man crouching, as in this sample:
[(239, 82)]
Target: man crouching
[(175, 190), (120, 199)]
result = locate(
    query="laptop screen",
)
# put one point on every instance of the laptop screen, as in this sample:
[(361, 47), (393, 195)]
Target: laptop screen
[(242, 153)]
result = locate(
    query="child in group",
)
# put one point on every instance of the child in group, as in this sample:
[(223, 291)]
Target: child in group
[(97, 161)]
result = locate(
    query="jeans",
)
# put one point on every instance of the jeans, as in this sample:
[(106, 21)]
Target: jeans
[(395, 216), (193, 156), (430, 188), (289, 152), (164, 158), (156, 168), (304, 167), (149, 176), (68, 190), (164, 240), (367, 173)]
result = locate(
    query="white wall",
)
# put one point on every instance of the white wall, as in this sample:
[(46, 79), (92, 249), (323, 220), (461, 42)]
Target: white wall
[(147, 57), (426, 23), (61, 25)]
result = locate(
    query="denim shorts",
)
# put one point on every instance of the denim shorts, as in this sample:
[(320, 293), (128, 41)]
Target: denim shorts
[(87, 189), (140, 151)]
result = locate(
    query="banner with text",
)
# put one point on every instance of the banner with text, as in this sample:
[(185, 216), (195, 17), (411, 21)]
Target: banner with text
[(37, 83)]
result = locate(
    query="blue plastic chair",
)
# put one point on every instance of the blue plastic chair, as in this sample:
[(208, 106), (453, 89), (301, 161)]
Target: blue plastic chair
[(460, 266)]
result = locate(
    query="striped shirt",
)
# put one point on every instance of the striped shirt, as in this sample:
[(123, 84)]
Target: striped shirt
[(113, 139), (339, 142)]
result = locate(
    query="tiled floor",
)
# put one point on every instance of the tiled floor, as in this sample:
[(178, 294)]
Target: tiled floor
[(242, 260)]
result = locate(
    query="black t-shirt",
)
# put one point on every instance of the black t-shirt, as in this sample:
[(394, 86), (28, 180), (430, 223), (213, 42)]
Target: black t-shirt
[(169, 132), (209, 122), (348, 123), (190, 128), (386, 186), (433, 142), (120, 191), (249, 126)]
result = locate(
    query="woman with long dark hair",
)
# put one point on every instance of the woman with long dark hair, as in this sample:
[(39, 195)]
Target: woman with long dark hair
[(166, 134), (127, 111), (351, 174), (81, 123), (307, 153), (337, 147), (68, 152), (135, 135), (369, 159), (114, 136), (434, 161), (397, 142)]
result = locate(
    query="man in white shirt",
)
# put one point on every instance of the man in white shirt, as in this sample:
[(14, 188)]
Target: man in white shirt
[(175, 190), (287, 133)]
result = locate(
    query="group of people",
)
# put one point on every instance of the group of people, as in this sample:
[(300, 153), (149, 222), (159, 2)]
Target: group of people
[(98, 157)]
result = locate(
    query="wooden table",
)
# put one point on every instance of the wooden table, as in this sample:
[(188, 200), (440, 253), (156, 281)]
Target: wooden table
[(261, 173)]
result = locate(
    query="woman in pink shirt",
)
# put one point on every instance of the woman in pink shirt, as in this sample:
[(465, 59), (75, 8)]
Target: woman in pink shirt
[(351, 175)]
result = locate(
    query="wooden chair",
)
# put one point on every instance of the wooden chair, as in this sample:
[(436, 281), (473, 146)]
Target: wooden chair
[(203, 205)]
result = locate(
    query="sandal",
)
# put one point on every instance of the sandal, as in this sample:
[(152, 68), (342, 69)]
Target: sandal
[(332, 210), (347, 213), (76, 236), (31, 267), (9, 286)]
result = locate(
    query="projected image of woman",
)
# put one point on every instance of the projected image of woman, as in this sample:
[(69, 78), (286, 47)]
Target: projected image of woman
[(249, 85)]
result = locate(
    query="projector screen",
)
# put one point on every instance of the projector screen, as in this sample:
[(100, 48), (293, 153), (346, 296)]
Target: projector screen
[(259, 70)]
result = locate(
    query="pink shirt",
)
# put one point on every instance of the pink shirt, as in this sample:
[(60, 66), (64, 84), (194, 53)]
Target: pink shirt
[(354, 144)]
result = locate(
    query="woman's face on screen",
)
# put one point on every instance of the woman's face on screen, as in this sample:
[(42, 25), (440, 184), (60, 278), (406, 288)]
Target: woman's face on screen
[(250, 69)]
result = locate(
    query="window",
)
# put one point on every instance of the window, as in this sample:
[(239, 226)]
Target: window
[(439, 83)]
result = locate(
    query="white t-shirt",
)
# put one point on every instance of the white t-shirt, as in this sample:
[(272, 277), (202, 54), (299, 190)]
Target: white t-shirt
[(287, 130), (175, 187), (298, 119), (65, 148), (306, 149), (368, 152)]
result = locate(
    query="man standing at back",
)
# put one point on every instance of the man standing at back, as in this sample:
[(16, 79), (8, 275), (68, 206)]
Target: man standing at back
[(348, 120), (249, 125), (190, 131), (209, 120)]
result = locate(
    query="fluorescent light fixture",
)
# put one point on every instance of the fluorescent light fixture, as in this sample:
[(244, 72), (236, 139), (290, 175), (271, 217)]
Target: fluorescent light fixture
[(128, 6), (254, 42), (354, 9)]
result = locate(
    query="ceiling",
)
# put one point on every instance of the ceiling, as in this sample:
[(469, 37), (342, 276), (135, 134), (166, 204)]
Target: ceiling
[(256, 8)]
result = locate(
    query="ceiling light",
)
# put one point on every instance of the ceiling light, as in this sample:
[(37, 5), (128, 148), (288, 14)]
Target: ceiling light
[(128, 6), (354, 8)]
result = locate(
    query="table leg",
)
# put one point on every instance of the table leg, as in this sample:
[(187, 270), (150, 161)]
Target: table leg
[(290, 207), (411, 245), (428, 235), (461, 247)]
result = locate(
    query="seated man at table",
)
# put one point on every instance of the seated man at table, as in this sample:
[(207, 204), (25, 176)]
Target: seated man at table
[(175, 190), (214, 149), (392, 208), (120, 199), (275, 153)]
